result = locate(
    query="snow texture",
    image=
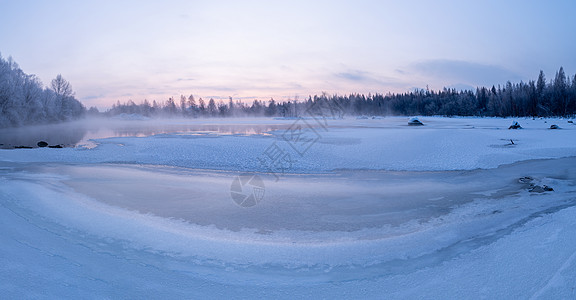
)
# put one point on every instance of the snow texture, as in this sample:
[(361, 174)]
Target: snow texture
[(372, 209)]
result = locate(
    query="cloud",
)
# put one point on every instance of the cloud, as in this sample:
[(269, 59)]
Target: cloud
[(359, 77), (464, 73), (355, 76), (91, 97)]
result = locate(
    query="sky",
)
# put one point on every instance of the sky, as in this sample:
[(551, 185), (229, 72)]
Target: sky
[(136, 50)]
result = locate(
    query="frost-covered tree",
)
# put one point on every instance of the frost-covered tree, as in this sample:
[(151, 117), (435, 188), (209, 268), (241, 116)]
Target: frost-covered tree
[(201, 107), (223, 109), (23, 100), (170, 107), (212, 110), (183, 105), (231, 107), (61, 87)]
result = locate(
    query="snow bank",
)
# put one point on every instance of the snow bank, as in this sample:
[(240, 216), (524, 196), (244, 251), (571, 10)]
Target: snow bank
[(55, 223)]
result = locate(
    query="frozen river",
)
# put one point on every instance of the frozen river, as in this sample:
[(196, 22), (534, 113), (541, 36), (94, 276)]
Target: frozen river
[(370, 208)]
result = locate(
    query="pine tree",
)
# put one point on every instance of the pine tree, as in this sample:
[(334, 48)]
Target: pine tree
[(559, 106), (212, 110), (183, 110), (201, 107)]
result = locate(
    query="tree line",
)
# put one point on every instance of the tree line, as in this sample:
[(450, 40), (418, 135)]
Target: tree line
[(24, 101), (533, 98), (556, 97)]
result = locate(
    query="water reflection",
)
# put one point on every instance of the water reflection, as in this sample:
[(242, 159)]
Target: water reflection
[(80, 133), (67, 135)]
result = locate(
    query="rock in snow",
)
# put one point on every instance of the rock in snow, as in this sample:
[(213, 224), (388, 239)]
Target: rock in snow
[(415, 122), (515, 125), (541, 189), (526, 179)]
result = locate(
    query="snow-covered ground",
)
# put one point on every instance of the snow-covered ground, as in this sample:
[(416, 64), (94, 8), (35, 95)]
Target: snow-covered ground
[(367, 208)]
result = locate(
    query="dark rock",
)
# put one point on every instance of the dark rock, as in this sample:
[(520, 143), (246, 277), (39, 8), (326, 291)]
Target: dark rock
[(55, 146), (554, 126), (22, 147), (541, 189), (515, 125), (570, 121), (536, 189), (42, 144), (415, 122), (525, 179)]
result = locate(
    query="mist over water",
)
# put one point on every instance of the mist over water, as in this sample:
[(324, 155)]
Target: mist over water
[(80, 133)]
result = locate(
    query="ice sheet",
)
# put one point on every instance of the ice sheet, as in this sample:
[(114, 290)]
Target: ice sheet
[(381, 144), (373, 219)]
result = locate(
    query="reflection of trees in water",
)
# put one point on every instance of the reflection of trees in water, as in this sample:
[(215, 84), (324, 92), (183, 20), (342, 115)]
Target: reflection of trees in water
[(66, 134)]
